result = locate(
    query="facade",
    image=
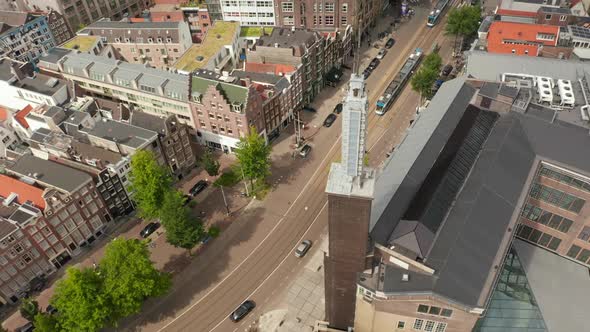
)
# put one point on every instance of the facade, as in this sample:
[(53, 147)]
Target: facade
[(217, 52), (21, 86), (223, 111), (59, 27), (199, 21), (305, 50), (23, 36), (79, 14), (249, 13), (524, 11), (48, 212), (555, 16), (293, 74), (158, 44), (173, 139)]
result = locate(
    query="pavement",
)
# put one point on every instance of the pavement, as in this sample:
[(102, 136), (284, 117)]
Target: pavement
[(253, 257)]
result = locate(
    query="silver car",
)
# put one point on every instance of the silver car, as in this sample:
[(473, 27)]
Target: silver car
[(381, 54), (302, 248)]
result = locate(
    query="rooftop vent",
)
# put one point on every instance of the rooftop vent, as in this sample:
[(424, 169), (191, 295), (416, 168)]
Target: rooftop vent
[(52, 82), (10, 199), (566, 93), (405, 277), (544, 85)]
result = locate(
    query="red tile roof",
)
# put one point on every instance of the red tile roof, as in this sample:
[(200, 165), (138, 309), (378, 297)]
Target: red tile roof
[(3, 114), (25, 192), (503, 37), (20, 116), (276, 69)]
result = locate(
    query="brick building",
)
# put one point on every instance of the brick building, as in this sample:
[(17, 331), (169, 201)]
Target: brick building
[(24, 36), (59, 27), (48, 212), (158, 44)]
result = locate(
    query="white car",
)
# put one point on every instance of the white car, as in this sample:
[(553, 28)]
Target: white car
[(381, 53)]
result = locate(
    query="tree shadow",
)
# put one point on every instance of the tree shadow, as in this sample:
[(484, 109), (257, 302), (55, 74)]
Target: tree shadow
[(195, 274)]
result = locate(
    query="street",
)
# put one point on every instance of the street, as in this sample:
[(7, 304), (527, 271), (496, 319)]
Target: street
[(253, 258)]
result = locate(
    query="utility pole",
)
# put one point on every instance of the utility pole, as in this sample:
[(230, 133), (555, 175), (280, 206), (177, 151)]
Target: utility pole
[(297, 128), (224, 200), (244, 179)]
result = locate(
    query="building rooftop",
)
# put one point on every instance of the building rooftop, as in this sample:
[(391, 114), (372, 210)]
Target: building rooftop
[(235, 94), (49, 173), (6, 228), (286, 38), (149, 121), (269, 68), (14, 18), (499, 32), (255, 31), (106, 23), (150, 80), (21, 115), (257, 77), (465, 223), (89, 152), (197, 56), (81, 43), (39, 83), (520, 8), (24, 191), (121, 133)]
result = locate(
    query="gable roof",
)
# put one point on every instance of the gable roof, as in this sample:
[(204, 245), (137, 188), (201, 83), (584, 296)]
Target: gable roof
[(25, 192), (3, 114), (20, 116), (235, 94)]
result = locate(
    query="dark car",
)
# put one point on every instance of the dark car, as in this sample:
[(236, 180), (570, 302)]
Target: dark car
[(330, 120), (446, 70), (37, 283), (305, 150), (366, 73), (50, 310), (437, 85), (28, 327), (374, 63), (390, 42), (149, 229), (338, 108), (302, 248), (242, 311), (309, 109), (198, 187)]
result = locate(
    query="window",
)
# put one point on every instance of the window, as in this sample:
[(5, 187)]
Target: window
[(573, 252), (343, 20), (287, 7), (548, 16), (557, 198), (441, 327), (584, 255), (329, 20), (562, 18), (434, 310), (585, 233), (329, 7), (345, 8), (423, 308), (429, 326), (288, 20), (418, 324), (401, 324), (446, 313)]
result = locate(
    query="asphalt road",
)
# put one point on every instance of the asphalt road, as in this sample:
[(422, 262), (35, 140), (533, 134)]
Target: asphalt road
[(253, 259)]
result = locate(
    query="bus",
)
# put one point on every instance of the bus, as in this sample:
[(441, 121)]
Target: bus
[(436, 13), (399, 81)]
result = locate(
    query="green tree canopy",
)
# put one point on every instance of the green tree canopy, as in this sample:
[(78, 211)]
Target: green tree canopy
[(29, 308), (149, 183), (210, 164), (424, 79), (45, 323), (81, 303), (129, 276), (182, 229), (253, 155), (463, 21)]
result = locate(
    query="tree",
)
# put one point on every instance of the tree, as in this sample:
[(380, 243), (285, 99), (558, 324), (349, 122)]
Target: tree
[(423, 80), (81, 302), (182, 230), (28, 309), (45, 323), (253, 155), (149, 183), (463, 21), (129, 276), (210, 164)]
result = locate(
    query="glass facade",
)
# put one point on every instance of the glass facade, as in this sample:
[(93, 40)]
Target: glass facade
[(512, 307)]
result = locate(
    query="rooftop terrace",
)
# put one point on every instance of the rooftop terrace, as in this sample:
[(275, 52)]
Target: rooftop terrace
[(81, 43)]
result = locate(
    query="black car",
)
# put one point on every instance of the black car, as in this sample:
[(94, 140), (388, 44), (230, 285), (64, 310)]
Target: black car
[(446, 70), (374, 63), (366, 73), (242, 311), (198, 187), (330, 120), (338, 108), (305, 150), (309, 109), (390, 42), (28, 327), (149, 229), (50, 310)]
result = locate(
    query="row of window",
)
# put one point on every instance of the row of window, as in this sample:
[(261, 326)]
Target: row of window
[(565, 179), (139, 40), (535, 213), (287, 7), (557, 198), (427, 325), (538, 237), (432, 310), (579, 254)]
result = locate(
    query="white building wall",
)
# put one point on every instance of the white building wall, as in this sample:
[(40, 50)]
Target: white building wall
[(17, 98), (249, 12)]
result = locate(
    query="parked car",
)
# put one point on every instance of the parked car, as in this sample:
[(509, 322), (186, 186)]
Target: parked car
[(37, 283), (198, 187), (437, 85), (338, 108), (390, 42), (309, 109), (28, 327), (366, 73), (149, 229), (50, 310), (305, 150), (381, 53), (374, 63), (242, 311), (446, 70), (302, 248), (330, 120)]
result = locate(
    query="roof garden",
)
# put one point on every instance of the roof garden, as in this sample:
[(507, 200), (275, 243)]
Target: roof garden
[(198, 55), (255, 31), (81, 43)]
